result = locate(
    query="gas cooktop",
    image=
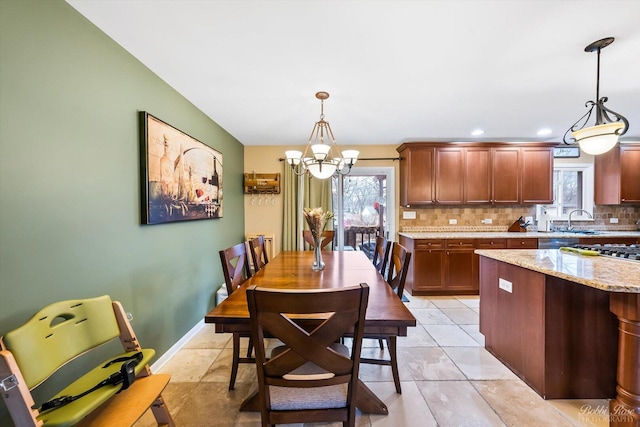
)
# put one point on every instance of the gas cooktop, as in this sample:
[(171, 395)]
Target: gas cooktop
[(630, 252)]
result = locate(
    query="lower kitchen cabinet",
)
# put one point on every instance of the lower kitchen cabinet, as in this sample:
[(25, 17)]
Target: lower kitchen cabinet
[(525, 243), (441, 266), (450, 266), (460, 266), (426, 269)]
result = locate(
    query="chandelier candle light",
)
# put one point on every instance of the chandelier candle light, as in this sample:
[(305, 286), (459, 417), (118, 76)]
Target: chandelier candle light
[(602, 136), (317, 221), (326, 157)]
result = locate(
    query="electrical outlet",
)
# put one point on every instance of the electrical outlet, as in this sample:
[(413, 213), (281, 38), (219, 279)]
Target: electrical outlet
[(453, 221), (487, 221), (409, 215), (505, 285), (613, 220)]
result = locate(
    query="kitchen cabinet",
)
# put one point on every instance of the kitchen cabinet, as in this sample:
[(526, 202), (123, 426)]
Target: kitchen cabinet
[(460, 266), (505, 175), (489, 173), (417, 174), (441, 266), (524, 243), (617, 175), (450, 266), (630, 174), (477, 175), (449, 181), (537, 175), (425, 275)]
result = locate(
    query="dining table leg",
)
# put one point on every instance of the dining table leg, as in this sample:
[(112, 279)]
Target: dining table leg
[(366, 401)]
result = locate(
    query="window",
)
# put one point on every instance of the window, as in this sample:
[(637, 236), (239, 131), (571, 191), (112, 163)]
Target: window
[(572, 189)]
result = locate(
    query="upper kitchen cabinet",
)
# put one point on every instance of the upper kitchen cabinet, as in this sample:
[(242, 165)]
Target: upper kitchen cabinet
[(475, 173), (506, 173), (537, 175), (417, 175), (617, 175), (449, 182)]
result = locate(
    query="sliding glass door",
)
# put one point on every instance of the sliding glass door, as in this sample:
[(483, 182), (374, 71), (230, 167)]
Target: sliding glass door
[(361, 208)]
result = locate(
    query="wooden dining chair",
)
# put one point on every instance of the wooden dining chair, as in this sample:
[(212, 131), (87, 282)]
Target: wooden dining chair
[(235, 267), (311, 378), (258, 253), (381, 254), (397, 275), (398, 268), (380, 259), (327, 238)]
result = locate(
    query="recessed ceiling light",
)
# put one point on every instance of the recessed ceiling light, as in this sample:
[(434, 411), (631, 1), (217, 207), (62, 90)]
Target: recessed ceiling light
[(544, 132), (477, 132)]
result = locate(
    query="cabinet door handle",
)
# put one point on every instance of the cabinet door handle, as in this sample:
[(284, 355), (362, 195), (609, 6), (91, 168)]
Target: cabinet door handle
[(522, 243)]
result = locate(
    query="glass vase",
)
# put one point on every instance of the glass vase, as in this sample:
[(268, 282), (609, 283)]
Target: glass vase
[(318, 264)]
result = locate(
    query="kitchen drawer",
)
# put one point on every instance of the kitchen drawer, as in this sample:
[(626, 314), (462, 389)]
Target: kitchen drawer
[(491, 243), (460, 243), (429, 244), (522, 243)]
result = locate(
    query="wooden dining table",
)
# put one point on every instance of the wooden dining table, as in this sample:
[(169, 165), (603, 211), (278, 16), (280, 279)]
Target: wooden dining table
[(386, 313)]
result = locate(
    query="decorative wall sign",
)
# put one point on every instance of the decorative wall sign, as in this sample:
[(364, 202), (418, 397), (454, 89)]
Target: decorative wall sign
[(181, 178), (566, 152)]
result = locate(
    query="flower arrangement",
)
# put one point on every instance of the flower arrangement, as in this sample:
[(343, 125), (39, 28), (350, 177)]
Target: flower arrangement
[(317, 220)]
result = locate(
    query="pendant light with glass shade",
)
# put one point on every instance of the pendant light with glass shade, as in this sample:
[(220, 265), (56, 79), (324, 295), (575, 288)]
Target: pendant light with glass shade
[(325, 157), (609, 125)]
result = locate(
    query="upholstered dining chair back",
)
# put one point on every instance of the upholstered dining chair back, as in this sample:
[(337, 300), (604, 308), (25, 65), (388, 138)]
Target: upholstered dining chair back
[(381, 254), (398, 267), (235, 266), (327, 238), (311, 377), (258, 253)]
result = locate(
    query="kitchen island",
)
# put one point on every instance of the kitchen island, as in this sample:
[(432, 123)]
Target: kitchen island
[(567, 324)]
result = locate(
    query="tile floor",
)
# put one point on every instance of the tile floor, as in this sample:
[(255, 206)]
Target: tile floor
[(448, 379)]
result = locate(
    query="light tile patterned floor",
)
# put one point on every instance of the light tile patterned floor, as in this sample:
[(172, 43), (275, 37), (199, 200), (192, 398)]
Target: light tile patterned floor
[(448, 379)]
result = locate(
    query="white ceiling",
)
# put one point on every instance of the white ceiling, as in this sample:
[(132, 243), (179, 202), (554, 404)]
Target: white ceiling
[(396, 70)]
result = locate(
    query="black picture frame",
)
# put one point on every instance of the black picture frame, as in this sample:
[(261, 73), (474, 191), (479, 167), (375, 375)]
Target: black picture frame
[(181, 177)]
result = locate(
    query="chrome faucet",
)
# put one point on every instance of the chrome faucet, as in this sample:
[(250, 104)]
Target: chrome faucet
[(569, 226)]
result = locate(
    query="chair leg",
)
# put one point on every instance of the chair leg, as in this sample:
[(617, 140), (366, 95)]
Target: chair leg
[(391, 342), (250, 349), (161, 413), (235, 361)]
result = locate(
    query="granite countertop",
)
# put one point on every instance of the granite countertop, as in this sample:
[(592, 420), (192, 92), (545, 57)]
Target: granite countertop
[(604, 273), (507, 235)]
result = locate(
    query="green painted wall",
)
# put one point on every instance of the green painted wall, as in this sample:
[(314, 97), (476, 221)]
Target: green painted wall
[(69, 179)]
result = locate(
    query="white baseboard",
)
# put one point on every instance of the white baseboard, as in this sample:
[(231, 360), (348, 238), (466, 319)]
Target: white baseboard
[(162, 360)]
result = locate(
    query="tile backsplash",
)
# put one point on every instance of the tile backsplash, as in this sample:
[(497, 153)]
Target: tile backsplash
[(472, 218)]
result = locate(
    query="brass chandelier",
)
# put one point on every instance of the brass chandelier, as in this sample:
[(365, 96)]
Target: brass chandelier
[(326, 158)]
